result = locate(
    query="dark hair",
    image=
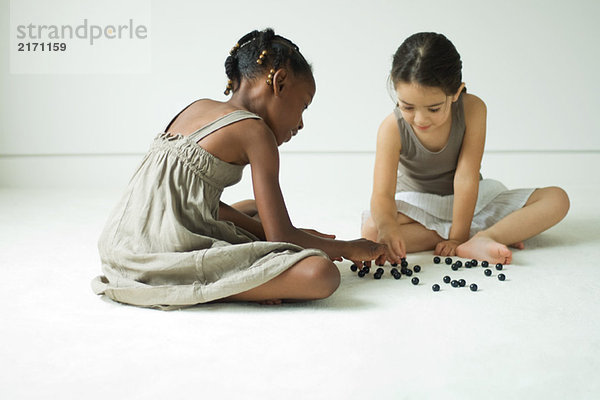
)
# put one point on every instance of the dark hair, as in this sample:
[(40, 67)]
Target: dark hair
[(428, 59), (280, 52)]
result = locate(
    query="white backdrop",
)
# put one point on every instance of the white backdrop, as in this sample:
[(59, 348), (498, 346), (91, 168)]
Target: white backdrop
[(533, 62)]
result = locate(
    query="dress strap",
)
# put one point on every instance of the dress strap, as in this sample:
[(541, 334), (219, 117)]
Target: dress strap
[(219, 123)]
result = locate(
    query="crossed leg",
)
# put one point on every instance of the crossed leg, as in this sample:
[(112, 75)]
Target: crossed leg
[(247, 207), (312, 278), (545, 208)]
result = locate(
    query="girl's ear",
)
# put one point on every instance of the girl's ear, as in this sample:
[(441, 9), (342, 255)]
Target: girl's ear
[(458, 92), (280, 81)]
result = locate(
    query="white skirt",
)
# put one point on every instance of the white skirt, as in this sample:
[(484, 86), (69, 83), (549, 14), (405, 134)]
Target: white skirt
[(494, 202)]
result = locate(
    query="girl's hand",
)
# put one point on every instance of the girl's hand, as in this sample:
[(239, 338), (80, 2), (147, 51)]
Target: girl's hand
[(393, 239), (447, 247), (360, 250)]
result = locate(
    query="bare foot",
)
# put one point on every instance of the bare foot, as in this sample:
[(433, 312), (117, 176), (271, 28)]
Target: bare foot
[(518, 245), (270, 302), (481, 247)]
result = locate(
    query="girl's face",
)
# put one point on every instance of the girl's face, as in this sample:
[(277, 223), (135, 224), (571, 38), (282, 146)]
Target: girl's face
[(293, 94), (425, 108)]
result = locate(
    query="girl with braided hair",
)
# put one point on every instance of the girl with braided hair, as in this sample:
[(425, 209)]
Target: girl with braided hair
[(171, 242), (428, 193)]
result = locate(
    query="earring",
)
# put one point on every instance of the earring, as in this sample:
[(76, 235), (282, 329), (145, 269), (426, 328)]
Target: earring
[(261, 57), (229, 88), (270, 77)]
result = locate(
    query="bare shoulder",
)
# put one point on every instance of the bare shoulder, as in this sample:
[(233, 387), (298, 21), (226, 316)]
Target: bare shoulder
[(473, 106), (234, 143), (475, 122), (198, 114), (254, 130), (388, 129), (256, 139), (390, 123)]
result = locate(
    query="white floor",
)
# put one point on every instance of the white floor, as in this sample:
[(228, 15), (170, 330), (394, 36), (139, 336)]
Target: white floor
[(534, 336)]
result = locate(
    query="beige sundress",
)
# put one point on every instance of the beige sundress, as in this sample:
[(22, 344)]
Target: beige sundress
[(164, 245)]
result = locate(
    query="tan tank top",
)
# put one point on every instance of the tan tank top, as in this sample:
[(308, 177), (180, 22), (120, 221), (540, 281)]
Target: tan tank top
[(421, 170)]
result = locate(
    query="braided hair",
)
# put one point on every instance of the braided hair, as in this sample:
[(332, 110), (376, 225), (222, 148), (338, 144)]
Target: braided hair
[(260, 51), (428, 59)]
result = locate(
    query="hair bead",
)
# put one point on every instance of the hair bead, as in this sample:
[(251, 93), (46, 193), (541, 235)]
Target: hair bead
[(270, 77), (229, 88), (270, 51), (261, 57), (234, 49)]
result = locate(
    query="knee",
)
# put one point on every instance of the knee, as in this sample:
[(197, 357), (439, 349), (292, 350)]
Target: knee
[(247, 207), (323, 278), (560, 199)]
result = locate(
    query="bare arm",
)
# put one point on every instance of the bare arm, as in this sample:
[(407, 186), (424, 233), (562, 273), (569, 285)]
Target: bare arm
[(466, 178), (262, 153), (383, 204)]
